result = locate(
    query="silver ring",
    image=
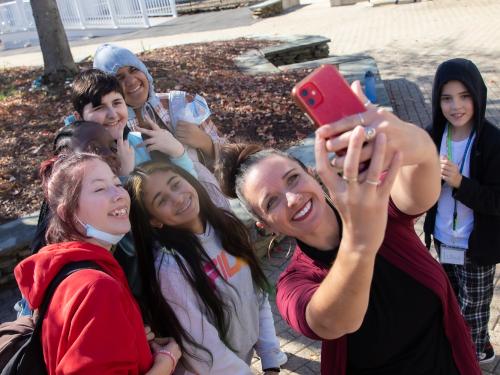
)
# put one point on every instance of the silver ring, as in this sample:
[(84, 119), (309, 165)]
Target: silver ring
[(350, 179), (369, 133), (361, 119), (367, 103), (371, 182)]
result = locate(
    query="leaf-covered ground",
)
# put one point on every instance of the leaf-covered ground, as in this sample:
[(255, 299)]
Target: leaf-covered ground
[(246, 108)]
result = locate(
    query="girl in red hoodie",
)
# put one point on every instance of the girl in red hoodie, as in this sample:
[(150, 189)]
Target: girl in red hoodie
[(93, 324)]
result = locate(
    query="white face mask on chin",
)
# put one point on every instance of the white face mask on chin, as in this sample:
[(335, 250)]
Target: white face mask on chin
[(91, 231)]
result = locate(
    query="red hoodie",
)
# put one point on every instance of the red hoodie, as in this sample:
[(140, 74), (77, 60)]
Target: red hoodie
[(93, 324)]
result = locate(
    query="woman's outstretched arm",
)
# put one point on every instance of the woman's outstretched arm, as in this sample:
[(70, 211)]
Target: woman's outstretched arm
[(339, 304)]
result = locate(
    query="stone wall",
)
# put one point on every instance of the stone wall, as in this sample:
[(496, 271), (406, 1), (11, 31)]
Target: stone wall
[(290, 3), (336, 3), (267, 9), (300, 55), (302, 49), (8, 260), (15, 237)]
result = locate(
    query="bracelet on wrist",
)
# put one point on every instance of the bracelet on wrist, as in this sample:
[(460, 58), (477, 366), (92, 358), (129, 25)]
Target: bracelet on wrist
[(169, 355)]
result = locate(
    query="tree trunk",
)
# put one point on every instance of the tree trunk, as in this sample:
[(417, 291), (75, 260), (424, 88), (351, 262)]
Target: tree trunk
[(57, 59)]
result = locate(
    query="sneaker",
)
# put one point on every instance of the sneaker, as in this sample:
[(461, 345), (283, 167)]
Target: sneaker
[(488, 355), (282, 358)]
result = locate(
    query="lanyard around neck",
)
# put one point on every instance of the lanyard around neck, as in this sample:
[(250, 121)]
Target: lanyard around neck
[(449, 152)]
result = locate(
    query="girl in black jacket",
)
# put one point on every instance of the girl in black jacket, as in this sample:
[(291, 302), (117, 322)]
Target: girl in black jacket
[(465, 222)]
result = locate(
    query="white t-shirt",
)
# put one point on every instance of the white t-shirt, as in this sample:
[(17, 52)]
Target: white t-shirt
[(443, 230)]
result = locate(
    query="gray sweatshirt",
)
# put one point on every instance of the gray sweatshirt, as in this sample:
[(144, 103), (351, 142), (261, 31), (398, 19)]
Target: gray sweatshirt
[(251, 324)]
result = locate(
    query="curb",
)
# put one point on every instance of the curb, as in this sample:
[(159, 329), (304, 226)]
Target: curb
[(15, 238), (17, 234)]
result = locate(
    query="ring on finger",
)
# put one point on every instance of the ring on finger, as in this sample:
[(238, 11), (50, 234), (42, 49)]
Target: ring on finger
[(369, 133), (361, 119), (350, 179), (372, 182), (367, 103)]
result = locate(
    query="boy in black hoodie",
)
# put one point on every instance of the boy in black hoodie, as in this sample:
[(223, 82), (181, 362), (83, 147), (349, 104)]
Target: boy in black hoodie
[(465, 222)]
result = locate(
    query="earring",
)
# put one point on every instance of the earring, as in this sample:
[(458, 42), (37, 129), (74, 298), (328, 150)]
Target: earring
[(271, 244)]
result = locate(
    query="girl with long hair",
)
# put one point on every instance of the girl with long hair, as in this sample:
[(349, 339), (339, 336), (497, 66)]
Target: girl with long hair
[(199, 259)]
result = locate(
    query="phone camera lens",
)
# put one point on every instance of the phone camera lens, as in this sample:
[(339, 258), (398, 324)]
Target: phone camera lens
[(303, 92), (311, 101)]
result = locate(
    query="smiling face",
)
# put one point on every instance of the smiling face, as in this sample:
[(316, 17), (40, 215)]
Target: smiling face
[(457, 104), (110, 113), (93, 138), (134, 84), (284, 196), (103, 202), (171, 200)]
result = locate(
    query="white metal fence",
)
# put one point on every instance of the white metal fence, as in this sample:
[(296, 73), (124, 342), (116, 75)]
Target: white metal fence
[(16, 16), (81, 14)]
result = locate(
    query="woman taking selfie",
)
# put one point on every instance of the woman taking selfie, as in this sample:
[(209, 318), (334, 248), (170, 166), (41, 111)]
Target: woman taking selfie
[(360, 279), (93, 324)]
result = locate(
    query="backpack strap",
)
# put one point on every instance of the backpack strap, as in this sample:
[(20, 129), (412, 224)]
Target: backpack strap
[(67, 270)]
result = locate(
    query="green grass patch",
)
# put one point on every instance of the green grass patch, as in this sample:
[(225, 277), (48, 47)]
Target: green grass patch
[(6, 92)]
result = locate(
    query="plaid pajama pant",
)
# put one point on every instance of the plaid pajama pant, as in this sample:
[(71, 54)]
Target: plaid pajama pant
[(473, 286)]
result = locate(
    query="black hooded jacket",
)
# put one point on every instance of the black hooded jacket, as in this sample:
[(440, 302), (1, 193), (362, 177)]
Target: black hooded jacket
[(480, 192)]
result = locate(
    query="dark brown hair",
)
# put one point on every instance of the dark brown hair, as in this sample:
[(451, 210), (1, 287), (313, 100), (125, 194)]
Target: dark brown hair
[(188, 252), (67, 134), (234, 162), (90, 86), (62, 183)]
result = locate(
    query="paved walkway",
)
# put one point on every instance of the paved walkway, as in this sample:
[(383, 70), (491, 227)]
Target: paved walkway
[(407, 41)]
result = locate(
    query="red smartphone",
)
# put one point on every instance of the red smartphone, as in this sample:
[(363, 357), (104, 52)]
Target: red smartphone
[(326, 96)]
